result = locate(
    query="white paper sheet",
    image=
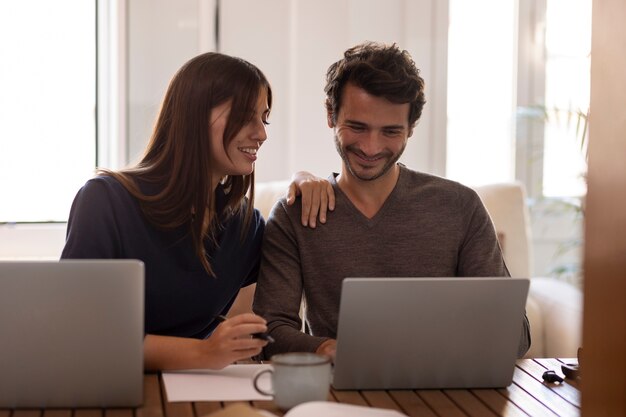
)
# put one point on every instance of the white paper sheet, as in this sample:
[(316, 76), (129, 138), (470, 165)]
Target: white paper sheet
[(310, 409), (331, 409), (233, 383)]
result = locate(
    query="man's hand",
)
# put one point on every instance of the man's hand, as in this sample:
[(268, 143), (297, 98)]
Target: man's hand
[(328, 348)]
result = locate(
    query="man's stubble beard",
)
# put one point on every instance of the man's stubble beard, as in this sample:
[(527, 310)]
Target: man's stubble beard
[(388, 165)]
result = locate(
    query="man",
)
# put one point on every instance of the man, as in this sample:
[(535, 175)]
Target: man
[(388, 220)]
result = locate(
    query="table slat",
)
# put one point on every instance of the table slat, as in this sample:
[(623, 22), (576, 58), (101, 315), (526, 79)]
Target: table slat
[(152, 400), (88, 412), (412, 404), (380, 399), (545, 395), (440, 403), (555, 364), (469, 403), (529, 404), (27, 413), (119, 412), (568, 360), (349, 397), (268, 406), (57, 413), (565, 390), (202, 408), (498, 403), (526, 396), (175, 409)]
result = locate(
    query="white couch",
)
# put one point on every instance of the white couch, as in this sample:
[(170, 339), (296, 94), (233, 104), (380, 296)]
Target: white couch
[(554, 308)]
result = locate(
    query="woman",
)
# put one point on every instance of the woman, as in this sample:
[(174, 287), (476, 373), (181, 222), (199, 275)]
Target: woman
[(182, 211)]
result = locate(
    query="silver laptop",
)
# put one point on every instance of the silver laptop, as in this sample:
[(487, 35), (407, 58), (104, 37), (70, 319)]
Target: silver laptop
[(422, 333), (71, 333)]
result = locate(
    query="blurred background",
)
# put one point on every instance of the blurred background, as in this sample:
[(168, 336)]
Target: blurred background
[(507, 89)]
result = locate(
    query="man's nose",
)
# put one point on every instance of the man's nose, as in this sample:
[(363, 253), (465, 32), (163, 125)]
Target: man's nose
[(372, 143)]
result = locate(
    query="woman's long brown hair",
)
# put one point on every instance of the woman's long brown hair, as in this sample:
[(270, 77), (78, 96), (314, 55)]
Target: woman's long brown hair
[(177, 161)]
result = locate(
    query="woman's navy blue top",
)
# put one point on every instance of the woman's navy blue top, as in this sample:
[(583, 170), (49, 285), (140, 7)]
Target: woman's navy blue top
[(181, 298)]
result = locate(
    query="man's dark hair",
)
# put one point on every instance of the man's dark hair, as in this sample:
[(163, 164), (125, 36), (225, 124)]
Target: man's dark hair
[(381, 70)]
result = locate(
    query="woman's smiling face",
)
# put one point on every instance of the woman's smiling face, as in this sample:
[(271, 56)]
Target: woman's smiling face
[(240, 154)]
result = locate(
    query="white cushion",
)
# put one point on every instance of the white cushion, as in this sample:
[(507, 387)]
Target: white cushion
[(266, 194), (506, 204), (561, 307)]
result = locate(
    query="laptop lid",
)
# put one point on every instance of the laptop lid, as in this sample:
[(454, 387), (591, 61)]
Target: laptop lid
[(71, 333), (421, 333)]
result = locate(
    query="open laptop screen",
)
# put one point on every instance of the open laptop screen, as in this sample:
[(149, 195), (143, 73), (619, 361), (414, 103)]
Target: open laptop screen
[(420, 333), (71, 333)]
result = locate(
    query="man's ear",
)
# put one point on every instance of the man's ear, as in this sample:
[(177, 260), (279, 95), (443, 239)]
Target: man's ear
[(410, 133), (329, 119)]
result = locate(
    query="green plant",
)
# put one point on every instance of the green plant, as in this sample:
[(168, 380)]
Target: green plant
[(567, 257)]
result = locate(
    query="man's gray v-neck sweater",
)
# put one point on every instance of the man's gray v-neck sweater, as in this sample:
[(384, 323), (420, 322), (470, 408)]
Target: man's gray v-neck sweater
[(427, 227)]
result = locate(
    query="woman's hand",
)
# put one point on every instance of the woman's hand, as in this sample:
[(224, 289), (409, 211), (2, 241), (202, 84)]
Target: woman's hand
[(232, 341), (317, 194)]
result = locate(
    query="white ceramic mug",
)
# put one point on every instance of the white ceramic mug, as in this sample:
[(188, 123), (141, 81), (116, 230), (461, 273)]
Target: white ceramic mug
[(297, 377)]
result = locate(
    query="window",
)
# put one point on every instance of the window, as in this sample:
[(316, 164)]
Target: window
[(47, 106), (481, 93), (518, 93), (568, 62)]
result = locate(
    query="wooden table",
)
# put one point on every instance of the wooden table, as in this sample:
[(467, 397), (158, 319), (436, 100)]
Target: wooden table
[(528, 395)]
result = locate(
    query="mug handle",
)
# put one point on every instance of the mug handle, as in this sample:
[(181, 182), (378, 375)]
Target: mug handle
[(256, 378)]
